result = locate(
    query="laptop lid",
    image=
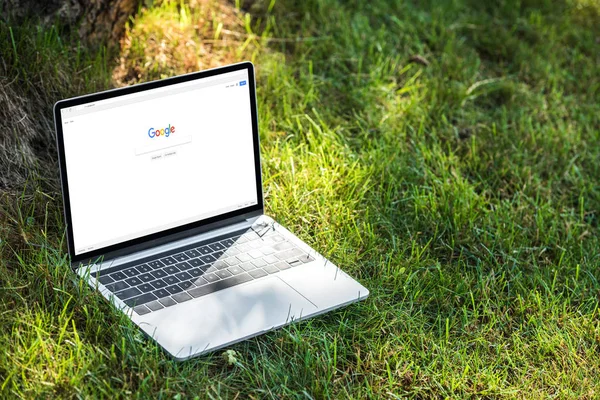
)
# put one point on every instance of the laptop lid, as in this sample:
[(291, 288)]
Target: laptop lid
[(154, 162)]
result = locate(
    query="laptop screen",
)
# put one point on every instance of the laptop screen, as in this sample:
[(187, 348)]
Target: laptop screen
[(157, 159)]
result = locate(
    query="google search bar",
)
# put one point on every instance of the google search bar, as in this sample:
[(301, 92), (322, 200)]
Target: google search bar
[(163, 144)]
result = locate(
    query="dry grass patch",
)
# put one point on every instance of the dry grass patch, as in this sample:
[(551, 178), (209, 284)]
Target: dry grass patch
[(176, 38)]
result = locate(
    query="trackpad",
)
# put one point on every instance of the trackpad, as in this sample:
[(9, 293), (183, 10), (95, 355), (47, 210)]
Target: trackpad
[(226, 316)]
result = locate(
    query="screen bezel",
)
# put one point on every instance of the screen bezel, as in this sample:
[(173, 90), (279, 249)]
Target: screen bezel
[(172, 233)]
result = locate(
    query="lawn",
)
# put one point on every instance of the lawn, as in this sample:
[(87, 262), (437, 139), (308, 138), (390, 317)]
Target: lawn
[(445, 153)]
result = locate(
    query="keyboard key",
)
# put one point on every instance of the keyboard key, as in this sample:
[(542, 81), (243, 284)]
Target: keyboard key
[(167, 302), (277, 238), (283, 246), (271, 259), (211, 277), (174, 289), (159, 273), (159, 283), (182, 276), (117, 286), (118, 276), (181, 297), (161, 293), (192, 253), (134, 281), (204, 250), (195, 272), (171, 280), (256, 244), (284, 255), (181, 257), (255, 254), (232, 251), (247, 266), (227, 242), (282, 265), (223, 274), (143, 268), (267, 250), (199, 281), (268, 240), (208, 259), (231, 261), (156, 264), (183, 266), (171, 270), (217, 254), (211, 269), (186, 285), (235, 270), (131, 272), (105, 280), (168, 260), (220, 265), (145, 298), (127, 293), (145, 287), (271, 269), (196, 262), (216, 246), (259, 262), (220, 285), (257, 273), (244, 257), (141, 310), (250, 235), (146, 277), (243, 248), (155, 305)]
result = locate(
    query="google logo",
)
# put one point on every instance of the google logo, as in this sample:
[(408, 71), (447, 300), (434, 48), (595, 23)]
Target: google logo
[(161, 132)]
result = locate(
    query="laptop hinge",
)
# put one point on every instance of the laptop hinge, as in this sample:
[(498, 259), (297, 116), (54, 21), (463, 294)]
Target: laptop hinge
[(115, 261)]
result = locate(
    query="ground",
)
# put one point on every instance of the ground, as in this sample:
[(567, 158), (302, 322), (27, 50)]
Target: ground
[(444, 153)]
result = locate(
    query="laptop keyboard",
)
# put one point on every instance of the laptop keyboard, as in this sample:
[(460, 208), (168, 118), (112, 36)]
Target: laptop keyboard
[(184, 274)]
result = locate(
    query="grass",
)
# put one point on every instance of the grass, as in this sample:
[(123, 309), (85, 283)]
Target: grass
[(460, 186)]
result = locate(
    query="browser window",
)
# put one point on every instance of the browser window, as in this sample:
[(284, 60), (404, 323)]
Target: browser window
[(154, 160)]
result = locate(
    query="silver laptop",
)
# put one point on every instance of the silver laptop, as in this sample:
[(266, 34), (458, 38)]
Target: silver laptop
[(164, 212)]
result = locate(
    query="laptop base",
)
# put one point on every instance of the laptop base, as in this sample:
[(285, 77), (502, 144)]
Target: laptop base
[(217, 319)]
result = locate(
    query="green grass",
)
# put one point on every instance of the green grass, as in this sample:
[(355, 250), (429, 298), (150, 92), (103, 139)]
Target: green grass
[(465, 194)]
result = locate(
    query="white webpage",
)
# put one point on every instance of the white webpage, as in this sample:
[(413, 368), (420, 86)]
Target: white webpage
[(158, 159)]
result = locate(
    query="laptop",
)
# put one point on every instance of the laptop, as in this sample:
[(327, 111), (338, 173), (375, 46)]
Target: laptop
[(164, 213)]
